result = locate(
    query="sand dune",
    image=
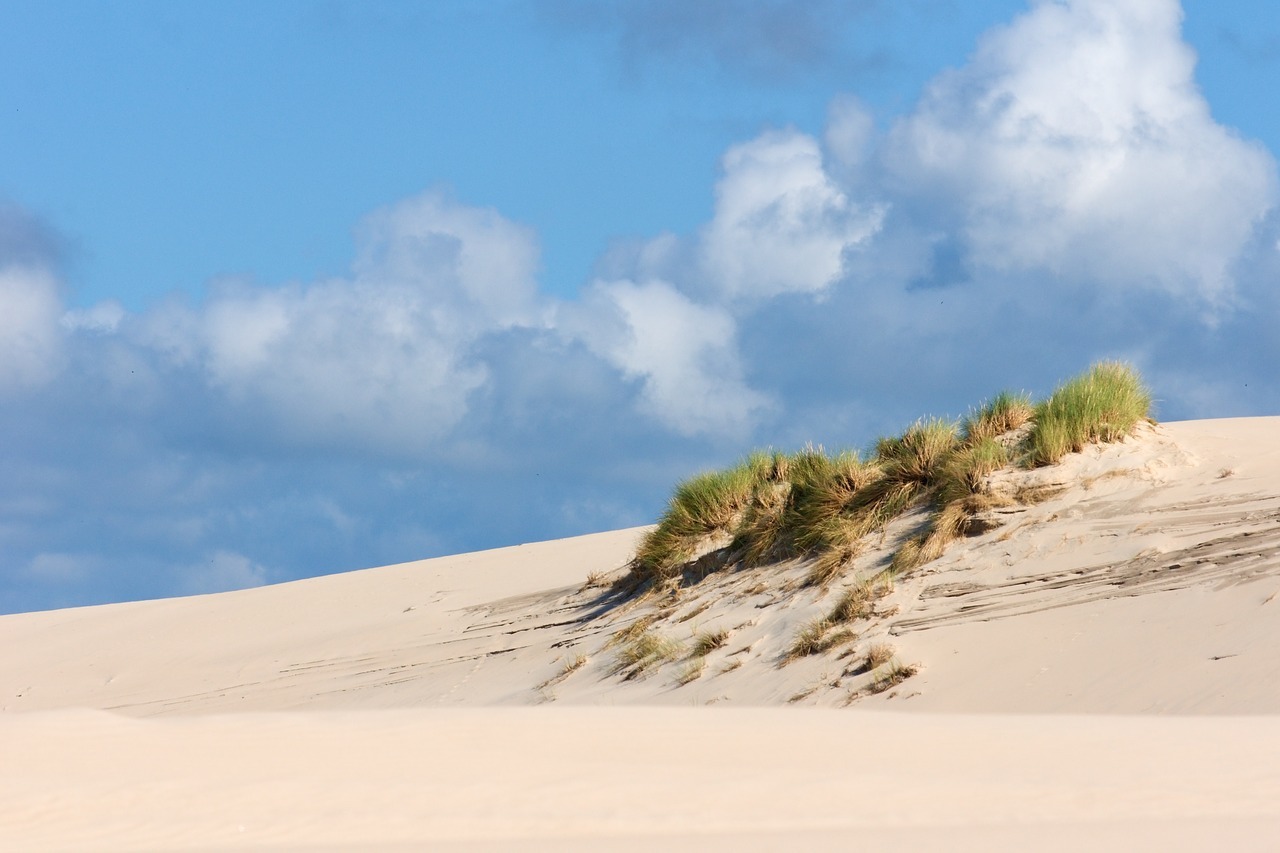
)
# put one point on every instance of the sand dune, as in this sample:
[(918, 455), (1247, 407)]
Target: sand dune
[(1101, 667)]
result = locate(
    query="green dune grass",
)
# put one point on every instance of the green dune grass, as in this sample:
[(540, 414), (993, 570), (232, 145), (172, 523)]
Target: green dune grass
[(810, 504)]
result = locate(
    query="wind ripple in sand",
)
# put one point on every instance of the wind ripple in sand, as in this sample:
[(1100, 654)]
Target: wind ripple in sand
[(1250, 551)]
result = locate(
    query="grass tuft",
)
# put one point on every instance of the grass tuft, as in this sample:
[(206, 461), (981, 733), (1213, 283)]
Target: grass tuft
[(858, 601), (701, 507), (878, 655), (692, 671), (809, 640), (1003, 413), (708, 641), (817, 637), (892, 677), (918, 454), (645, 651), (1102, 405)]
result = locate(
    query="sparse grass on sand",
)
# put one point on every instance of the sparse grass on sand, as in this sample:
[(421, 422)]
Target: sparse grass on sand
[(708, 641), (816, 637), (858, 601), (692, 671), (878, 655), (891, 677), (570, 667), (822, 508), (646, 650)]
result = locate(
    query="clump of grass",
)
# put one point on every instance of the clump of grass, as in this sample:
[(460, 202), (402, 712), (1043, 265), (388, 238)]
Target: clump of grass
[(919, 453), (831, 561), (825, 494), (965, 471), (808, 640), (702, 506), (1002, 414), (1101, 405), (637, 627), (817, 637), (878, 655), (855, 603), (760, 533), (858, 601), (596, 580), (645, 651), (692, 671), (958, 496), (892, 677), (708, 641)]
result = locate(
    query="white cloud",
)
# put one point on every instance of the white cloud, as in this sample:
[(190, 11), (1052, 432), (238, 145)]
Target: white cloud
[(381, 356), (1076, 143), (781, 224), (476, 267), (849, 138), (684, 353), (105, 316), (30, 335), (222, 571)]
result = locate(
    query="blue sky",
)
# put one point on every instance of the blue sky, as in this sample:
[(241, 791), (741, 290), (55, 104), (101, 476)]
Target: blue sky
[(303, 287)]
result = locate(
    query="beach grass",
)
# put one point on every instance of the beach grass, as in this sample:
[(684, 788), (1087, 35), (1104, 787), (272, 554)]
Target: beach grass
[(821, 508), (1101, 405)]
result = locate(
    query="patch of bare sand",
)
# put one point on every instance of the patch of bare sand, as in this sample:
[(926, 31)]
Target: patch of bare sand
[(635, 778)]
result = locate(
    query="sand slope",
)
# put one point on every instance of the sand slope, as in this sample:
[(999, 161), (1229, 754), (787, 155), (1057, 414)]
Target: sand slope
[(1142, 582)]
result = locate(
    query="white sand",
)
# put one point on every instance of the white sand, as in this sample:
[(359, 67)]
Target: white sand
[(1102, 670)]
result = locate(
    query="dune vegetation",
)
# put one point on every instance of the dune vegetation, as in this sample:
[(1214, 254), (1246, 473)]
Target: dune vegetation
[(824, 507)]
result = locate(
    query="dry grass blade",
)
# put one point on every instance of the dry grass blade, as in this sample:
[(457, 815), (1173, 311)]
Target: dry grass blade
[(692, 671), (817, 637), (895, 675), (708, 641), (646, 651), (878, 655), (569, 668)]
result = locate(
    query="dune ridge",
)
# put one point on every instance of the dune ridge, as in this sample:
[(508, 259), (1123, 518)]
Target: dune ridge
[(1103, 661)]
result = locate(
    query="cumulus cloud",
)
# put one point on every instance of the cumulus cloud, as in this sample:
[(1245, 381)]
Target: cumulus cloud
[(781, 224), (30, 331), (1076, 143), (382, 355), (684, 354)]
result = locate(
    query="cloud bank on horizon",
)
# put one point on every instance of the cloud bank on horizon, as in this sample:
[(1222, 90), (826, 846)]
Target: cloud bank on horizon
[(1065, 195)]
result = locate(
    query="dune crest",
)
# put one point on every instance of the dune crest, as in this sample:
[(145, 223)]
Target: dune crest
[(1179, 519)]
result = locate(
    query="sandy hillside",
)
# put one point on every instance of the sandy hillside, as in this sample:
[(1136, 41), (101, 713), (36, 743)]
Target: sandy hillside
[(1101, 666)]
